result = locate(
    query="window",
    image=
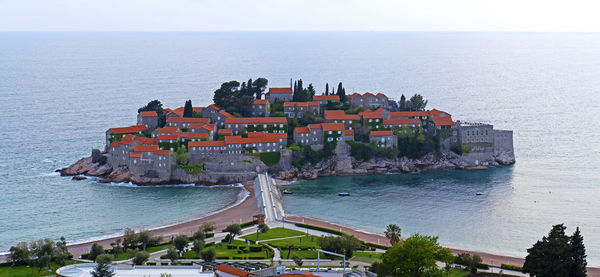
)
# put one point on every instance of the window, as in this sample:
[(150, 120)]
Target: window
[(370, 120), (134, 161), (330, 132), (329, 139)]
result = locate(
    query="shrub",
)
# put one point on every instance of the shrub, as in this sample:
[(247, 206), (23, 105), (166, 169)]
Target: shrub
[(226, 239), (270, 158), (257, 248), (322, 229), (511, 267)]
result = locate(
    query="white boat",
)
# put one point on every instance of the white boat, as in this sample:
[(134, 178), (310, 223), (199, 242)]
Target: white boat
[(344, 194)]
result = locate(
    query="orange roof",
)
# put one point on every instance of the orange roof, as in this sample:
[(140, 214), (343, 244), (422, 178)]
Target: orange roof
[(192, 135), (381, 133), (326, 98), (369, 115), (259, 102), (315, 126), (144, 140), (166, 130), (167, 137), (209, 127), (225, 132), (179, 111), (233, 270), (145, 148), (126, 142), (226, 114), (337, 115), (188, 120), (302, 130), (197, 109), (349, 133), (404, 121), (130, 129), (215, 107), (332, 112), (149, 114), (332, 126), (408, 114), (255, 120), (116, 143), (443, 121), (241, 140), (206, 143), (135, 155), (267, 135), (379, 95), (300, 104), (162, 152), (354, 95), (280, 90), (128, 137), (366, 94), (436, 112)]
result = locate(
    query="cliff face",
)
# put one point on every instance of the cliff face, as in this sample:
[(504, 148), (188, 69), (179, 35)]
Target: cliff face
[(346, 165)]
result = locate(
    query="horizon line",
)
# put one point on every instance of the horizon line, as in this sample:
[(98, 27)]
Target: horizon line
[(281, 31)]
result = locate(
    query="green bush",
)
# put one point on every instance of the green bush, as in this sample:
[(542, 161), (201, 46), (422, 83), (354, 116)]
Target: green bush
[(257, 248), (322, 229), (249, 223), (270, 158), (511, 267), (374, 246)]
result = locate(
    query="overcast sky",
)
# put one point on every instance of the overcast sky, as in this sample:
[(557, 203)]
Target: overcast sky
[(300, 15)]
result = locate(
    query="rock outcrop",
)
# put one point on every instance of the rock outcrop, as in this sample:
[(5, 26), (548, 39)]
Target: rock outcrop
[(85, 166)]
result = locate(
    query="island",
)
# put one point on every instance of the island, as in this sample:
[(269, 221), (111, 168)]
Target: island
[(292, 133)]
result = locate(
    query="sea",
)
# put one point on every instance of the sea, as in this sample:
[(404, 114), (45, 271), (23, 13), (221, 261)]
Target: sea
[(59, 93)]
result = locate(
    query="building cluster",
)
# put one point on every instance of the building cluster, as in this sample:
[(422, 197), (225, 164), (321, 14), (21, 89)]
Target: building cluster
[(147, 149)]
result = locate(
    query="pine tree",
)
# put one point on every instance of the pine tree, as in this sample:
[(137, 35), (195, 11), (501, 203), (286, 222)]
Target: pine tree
[(341, 92), (310, 92), (578, 255), (188, 111), (403, 103)]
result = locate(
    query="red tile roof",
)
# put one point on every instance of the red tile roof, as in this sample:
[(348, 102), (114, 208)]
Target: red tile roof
[(241, 140), (354, 95), (256, 120), (332, 126), (436, 112), (145, 148), (233, 270), (443, 121), (209, 127), (326, 98), (197, 109), (188, 120), (339, 115), (379, 95), (267, 135), (381, 133), (226, 114), (162, 152), (206, 143), (116, 143), (225, 132), (215, 107), (366, 94), (302, 130), (167, 130), (280, 90), (409, 114), (349, 133), (403, 121), (315, 126), (192, 135), (370, 115), (301, 104), (179, 111), (144, 140), (167, 137), (149, 114), (259, 102), (127, 130), (135, 155)]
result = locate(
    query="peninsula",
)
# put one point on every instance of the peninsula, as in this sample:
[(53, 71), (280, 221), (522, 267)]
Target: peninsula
[(292, 133)]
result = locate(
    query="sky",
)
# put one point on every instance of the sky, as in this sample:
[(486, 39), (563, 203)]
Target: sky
[(301, 15)]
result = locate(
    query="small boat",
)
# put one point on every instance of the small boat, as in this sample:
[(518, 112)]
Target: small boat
[(287, 192), (344, 194), (478, 193)]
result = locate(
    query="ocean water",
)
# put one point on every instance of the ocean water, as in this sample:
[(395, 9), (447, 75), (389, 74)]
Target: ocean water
[(59, 92)]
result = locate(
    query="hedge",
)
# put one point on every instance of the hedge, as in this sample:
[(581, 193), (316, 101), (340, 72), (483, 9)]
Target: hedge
[(322, 229), (511, 267), (243, 225), (270, 158), (376, 245)]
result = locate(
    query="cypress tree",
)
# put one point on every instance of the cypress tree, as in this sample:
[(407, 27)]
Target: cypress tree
[(249, 88), (403, 102), (578, 255), (326, 88), (188, 110)]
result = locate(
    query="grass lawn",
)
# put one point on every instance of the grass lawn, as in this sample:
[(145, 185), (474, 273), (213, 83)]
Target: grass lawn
[(458, 273), (225, 253), (21, 271), (274, 234), (301, 242), (306, 254), (367, 257), (157, 248)]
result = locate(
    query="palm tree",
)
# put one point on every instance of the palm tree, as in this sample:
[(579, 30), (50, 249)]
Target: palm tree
[(393, 233)]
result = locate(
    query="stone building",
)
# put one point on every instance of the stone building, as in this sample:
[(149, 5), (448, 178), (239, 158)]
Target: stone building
[(148, 119), (240, 145), (338, 116), (443, 122), (184, 122), (311, 135), (399, 123), (115, 134), (385, 139), (256, 124), (323, 99), (369, 100), (149, 161), (260, 107), (422, 115), (281, 94), (211, 111), (203, 149), (208, 129), (300, 109)]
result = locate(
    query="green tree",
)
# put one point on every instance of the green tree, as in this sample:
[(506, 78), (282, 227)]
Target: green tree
[(310, 92), (578, 267), (227, 95), (130, 239), (188, 110), (181, 155), (208, 227), (416, 256), (144, 238), (233, 230), (95, 251), (258, 86), (199, 235), (555, 256), (140, 257), (172, 254), (326, 88), (471, 262), (103, 268), (156, 106), (402, 105), (208, 255), (180, 243), (198, 246), (18, 254), (262, 228), (116, 247), (341, 91), (393, 233), (297, 260), (342, 244), (417, 102)]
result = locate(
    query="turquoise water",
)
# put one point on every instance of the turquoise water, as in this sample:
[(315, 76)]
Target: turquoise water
[(59, 92)]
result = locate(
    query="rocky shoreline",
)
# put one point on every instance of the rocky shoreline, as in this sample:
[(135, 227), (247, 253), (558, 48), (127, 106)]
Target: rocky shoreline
[(338, 165)]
